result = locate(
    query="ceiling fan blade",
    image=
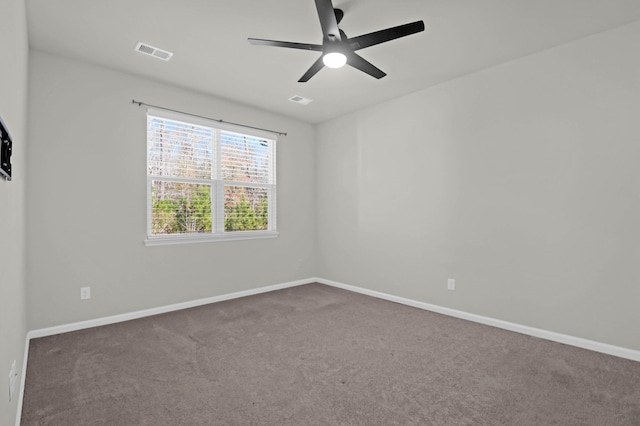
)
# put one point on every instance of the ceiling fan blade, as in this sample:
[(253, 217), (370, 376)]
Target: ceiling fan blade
[(317, 66), (328, 20), (289, 44), (382, 36), (363, 65)]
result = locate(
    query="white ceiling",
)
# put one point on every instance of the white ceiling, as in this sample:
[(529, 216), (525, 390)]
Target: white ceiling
[(212, 55)]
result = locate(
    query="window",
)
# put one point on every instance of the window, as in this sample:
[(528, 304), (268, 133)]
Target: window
[(208, 180)]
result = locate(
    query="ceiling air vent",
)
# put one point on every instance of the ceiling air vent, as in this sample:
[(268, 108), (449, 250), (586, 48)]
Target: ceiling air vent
[(300, 100), (153, 51)]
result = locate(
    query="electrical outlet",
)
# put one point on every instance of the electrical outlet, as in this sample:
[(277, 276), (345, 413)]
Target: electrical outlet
[(451, 284), (85, 293), (13, 375)]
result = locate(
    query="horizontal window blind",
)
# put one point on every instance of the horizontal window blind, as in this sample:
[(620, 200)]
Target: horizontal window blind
[(179, 149), (246, 159), (205, 180)]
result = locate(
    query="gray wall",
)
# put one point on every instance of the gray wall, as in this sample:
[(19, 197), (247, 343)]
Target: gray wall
[(13, 109), (87, 200), (520, 181)]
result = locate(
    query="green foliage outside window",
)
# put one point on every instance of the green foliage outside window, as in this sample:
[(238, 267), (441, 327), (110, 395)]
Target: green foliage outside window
[(198, 172), (242, 216), (192, 213), (183, 214)]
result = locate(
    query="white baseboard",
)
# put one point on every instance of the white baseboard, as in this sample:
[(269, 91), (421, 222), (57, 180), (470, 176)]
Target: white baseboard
[(81, 325), (50, 331), (531, 331), (518, 328), (22, 380)]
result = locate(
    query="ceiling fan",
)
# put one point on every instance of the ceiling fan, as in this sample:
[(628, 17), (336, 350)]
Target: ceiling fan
[(337, 49)]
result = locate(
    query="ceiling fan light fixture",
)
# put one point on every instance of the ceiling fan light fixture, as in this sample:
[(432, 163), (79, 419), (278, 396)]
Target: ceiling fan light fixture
[(338, 49), (334, 59)]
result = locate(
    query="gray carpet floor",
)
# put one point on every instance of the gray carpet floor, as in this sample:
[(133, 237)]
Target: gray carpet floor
[(317, 355)]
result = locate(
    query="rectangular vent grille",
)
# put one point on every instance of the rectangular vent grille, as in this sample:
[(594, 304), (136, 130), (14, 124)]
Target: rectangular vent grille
[(300, 100), (153, 51)]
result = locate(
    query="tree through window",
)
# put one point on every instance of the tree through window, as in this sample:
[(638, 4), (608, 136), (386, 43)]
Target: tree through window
[(206, 180)]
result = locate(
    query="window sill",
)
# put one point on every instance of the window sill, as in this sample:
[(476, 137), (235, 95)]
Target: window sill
[(209, 238)]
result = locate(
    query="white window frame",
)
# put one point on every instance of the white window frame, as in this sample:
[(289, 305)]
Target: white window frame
[(218, 232)]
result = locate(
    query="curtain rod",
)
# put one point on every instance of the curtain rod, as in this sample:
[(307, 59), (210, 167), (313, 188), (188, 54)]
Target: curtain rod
[(133, 101)]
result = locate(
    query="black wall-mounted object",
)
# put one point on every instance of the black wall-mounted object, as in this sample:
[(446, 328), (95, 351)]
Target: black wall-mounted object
[(5, 151)]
